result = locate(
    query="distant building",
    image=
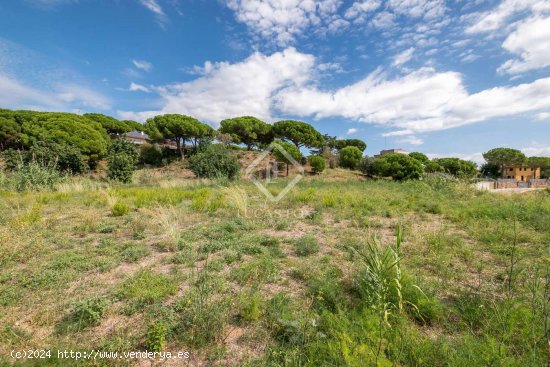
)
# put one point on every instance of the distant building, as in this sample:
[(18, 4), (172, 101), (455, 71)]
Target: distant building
[(520, 172), (136, 137), (140, 138), (391, 151)]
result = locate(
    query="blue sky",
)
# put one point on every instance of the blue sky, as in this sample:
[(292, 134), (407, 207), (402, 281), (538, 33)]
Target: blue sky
[(445, 77)]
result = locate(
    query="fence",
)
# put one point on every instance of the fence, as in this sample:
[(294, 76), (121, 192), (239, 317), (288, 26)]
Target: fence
[(510, 183)]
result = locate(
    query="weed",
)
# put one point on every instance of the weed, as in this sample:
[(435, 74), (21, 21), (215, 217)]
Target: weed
[(85, 313), (156, 336), (145, 288), (120, 209), (306, 246)]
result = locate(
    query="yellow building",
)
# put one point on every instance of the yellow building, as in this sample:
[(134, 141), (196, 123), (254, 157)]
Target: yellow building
[(520, 172)]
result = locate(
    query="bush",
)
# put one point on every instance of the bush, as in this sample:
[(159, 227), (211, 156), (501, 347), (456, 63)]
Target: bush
[(398, 166), (151, 154), (317, 163), (350, 157), (122, 159), (120, 209), (306, 246), (421, 157), (65, 158), (215, 162), (36, 177)]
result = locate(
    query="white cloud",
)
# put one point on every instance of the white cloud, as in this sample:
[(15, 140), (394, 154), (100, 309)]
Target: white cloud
[(424, 100), (539, 151), (383, 20), (351, 131), (284, 20), (413, 140), (244, 88), (360, 8), (80, 96), (14, 94), (470, 57), (134, 87), (543, 116), (143, 65), (403, 57), (497, 18), (285, 83), (531, 42), (17, 95), (429, 9), (156, 9)]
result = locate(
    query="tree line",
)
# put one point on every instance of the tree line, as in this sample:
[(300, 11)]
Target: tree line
[(78, 142)]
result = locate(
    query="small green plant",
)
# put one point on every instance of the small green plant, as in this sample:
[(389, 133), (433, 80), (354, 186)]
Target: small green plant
[(120, 209), (156, 336), (306, 246), (250, 306), (122, 158), (145, 288), (85, 313), (204, 312), (317, 163)]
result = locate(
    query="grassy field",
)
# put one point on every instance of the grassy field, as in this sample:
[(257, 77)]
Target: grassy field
[(341, 272)]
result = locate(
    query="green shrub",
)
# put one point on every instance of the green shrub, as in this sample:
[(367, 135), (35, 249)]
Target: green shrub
[(317, 163), (120, 209), (306, 246), (398, 166), (250, 306), (156, 336), (215, 162), (122, 159), (85, 313), (350, 157), (33, 176), (151, 155), (65, 158)]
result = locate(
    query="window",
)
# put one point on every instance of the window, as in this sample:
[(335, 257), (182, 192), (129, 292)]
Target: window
[(511, 169)]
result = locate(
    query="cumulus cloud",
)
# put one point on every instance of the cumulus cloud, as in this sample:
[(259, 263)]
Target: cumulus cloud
[(351, 131), (424, 100), (403, 57), (531, 42), (143, 65), (284, 20), (244, 88), (285, 83)]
